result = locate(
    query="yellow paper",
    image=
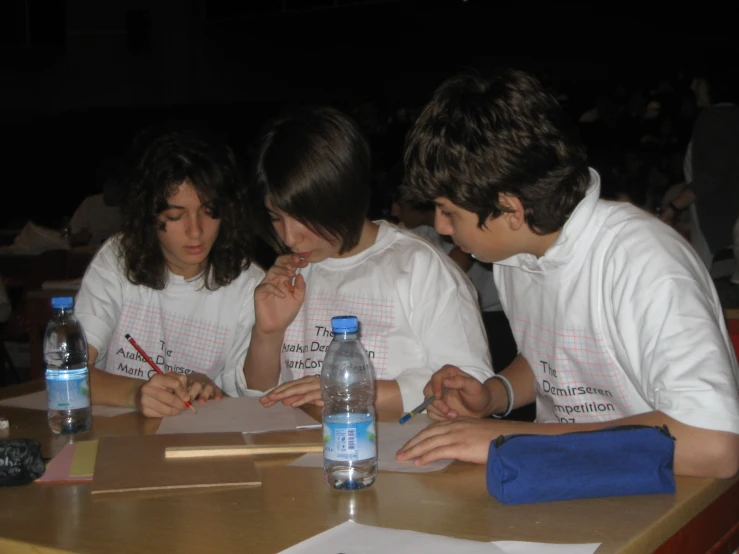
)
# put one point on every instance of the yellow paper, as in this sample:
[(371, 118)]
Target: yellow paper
[(83, 463)]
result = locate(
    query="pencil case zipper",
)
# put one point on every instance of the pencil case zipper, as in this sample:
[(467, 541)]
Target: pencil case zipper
[(502, 439)]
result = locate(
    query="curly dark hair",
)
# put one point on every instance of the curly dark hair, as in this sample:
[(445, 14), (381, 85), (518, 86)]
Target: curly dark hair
[(505, 133), (166, 160)]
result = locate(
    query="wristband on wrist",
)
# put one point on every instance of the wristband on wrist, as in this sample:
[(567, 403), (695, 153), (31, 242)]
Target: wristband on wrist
[(509, 393)]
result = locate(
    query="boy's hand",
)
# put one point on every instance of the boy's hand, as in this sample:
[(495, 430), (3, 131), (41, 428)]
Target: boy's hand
[(466, 396), (463, 439)]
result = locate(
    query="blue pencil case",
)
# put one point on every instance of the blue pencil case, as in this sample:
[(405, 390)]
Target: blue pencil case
[(615, 461)]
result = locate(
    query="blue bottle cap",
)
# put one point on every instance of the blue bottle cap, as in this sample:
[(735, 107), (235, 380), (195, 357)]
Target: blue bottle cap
[(64, 302), (344, 324)]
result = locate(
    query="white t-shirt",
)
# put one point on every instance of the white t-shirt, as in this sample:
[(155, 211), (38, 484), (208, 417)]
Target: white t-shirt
[(430, 234), (618, 318), (480, 274), (417, 311), (183, 328), (101, 220)]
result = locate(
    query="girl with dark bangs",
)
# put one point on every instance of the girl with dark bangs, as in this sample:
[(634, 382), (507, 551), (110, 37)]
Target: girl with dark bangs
[(417, 310)]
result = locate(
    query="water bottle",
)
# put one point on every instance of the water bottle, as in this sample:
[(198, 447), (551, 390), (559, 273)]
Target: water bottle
[(348, 391), (67, 376)]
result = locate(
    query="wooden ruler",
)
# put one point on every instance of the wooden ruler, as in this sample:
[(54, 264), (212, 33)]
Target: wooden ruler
[(240, 450)]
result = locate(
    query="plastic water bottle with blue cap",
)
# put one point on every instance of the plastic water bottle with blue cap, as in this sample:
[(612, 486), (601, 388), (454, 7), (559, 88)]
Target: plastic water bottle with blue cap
[(67, 375), (348, 392)]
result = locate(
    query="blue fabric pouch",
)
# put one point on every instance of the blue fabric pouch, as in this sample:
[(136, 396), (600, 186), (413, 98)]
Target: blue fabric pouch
[(615, 461)]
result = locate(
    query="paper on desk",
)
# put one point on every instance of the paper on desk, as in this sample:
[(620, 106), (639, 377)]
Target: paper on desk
[(83, 462), (390, 437), (520, 547), (57, 470), (239, 415), (75, 463), (37, 401), (356, 538)]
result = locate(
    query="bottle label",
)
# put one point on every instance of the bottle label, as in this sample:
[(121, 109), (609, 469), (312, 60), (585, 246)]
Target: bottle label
[(68, 390), (349, 441)]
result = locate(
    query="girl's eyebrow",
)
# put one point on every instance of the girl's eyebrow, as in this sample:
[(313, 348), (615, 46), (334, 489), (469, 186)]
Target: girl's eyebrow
[(173, 207)]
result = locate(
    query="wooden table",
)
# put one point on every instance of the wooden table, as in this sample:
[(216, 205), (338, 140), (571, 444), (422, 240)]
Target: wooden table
[(295, 503)]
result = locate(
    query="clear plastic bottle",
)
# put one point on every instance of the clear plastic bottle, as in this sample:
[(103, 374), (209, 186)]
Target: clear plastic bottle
[(67, 375), (348, 391)]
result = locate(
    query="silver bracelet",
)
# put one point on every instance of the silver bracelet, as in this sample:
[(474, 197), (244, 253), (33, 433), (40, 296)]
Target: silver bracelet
[(509, 392)]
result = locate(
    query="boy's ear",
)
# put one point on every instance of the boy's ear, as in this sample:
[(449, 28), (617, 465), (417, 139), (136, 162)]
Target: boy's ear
[(514, 214)]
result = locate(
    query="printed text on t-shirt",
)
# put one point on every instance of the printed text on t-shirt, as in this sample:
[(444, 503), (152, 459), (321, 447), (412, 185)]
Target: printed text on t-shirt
[(321, 331), (566, 413)]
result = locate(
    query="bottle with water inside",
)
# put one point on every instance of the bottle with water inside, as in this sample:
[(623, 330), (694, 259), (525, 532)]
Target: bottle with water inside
[(348, 391), (67, 376)]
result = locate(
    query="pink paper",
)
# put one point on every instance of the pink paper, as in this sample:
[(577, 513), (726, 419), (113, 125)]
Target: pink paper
[(57, 470)]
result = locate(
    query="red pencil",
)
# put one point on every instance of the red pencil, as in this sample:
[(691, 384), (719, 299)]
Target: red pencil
[(151, 363)]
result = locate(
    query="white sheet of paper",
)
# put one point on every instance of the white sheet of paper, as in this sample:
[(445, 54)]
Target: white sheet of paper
[(37, 401), (520, 547), (355, 538), (390, 437), (110, 411), (239, 415)]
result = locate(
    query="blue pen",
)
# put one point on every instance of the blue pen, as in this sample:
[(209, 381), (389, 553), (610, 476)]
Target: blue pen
[(418, 409)]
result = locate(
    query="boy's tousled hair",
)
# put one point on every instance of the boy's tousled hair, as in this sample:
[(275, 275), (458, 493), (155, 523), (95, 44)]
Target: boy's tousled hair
[(480, 137)]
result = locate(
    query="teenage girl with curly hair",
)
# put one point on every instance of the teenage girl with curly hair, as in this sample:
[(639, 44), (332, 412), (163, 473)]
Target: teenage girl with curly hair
[(178, 279)]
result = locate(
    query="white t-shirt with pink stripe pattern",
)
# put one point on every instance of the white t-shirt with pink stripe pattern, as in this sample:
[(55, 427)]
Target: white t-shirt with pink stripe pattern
[(417, 311), (183, 328), (618, 318)]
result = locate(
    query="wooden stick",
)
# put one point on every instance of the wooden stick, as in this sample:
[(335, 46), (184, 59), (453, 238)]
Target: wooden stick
[(240, 450)]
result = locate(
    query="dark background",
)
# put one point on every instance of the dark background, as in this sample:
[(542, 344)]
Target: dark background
[(80, 77)]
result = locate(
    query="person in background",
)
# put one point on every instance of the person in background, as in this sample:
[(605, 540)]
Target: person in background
[(616, 319), (417, 311), (98, 217), (177, 278), (711, 167)]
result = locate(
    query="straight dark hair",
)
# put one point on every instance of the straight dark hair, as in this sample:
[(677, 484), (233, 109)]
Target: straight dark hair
[(314, 164), (479, 137)]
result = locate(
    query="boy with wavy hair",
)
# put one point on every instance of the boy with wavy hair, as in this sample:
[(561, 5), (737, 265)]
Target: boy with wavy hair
[(615, 317)]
